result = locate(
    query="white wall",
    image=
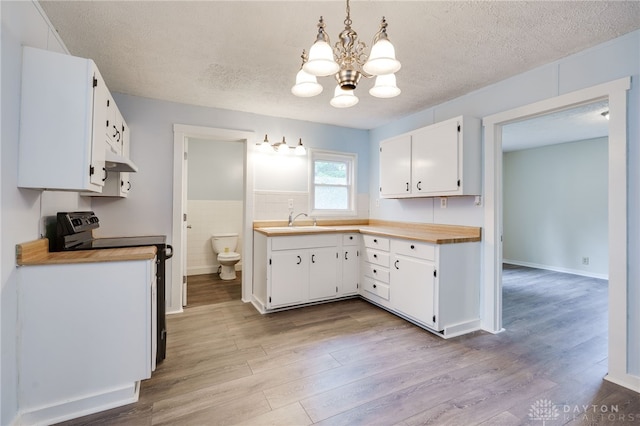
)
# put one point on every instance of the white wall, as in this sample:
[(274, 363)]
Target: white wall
[(609, 61), (23, 23), (555, 207)]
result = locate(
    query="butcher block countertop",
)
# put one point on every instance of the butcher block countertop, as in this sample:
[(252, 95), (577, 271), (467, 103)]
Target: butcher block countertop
[(37, 253), (429, 233)]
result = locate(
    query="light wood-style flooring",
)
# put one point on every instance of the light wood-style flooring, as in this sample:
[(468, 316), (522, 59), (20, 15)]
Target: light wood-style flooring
[(351, 363)]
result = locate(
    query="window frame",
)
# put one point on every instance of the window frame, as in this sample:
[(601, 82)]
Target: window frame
[(351, 159)]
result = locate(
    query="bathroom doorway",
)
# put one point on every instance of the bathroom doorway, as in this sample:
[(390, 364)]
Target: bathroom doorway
[(178, 288), (215, 204)]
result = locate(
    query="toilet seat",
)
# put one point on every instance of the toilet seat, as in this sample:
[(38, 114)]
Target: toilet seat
[(229, 256)]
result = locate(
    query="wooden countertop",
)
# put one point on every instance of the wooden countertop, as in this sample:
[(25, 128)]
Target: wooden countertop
[(37, 253), (430, 233)]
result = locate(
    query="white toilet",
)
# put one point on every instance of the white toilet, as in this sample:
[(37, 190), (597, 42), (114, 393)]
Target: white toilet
[(224, 245)]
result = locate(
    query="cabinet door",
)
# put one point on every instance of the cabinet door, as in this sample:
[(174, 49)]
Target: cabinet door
[(323, 273), (435, 155), (350, 270), (98, 173), (412, 288), (395, 167), (289, 278)]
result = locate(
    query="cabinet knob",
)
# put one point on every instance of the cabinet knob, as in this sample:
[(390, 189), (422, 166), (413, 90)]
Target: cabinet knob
[(412, 247), (351, 237), (375, 256), (375, 240), (375, 271), (375, 286)]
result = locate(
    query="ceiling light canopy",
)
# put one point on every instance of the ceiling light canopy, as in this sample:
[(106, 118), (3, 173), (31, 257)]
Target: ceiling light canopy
[(348, 62)]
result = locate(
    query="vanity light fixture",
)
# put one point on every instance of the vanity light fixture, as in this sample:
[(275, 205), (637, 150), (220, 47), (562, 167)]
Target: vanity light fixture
[(282, 147), (348, 62)]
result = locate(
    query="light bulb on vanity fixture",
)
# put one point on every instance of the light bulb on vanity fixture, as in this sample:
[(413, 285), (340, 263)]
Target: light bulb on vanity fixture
[(348, 62), (281, 147)]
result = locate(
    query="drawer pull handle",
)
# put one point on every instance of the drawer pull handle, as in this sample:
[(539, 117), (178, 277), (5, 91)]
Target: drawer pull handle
[(345, 255), (412, 247), (299, 260), (418, 185), (396, 264), (313, 258)]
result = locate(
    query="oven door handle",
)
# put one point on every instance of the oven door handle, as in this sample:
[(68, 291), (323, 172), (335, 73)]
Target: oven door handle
[(168, 252)]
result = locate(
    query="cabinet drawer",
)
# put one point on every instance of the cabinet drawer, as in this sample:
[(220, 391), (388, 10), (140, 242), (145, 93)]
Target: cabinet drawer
[(373, 241), (377, 257), (376, 272), (350, 239), (376, 287), (414, 249), (304, 241)]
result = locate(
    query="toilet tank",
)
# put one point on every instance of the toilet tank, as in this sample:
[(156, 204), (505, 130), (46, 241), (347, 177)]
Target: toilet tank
[(224, 242)]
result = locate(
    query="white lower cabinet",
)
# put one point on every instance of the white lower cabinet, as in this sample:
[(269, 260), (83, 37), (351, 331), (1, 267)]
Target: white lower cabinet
[(323, 273), (289, 283), (86, 336), (350, 261), (436, 286)]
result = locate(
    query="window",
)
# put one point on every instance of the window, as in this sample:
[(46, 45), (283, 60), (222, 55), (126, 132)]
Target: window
[(333, 186)]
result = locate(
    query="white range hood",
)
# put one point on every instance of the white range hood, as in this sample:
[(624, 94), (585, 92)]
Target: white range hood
[(118, 163)]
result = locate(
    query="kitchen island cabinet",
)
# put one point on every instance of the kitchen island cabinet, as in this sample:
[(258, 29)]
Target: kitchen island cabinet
[(87, 331)]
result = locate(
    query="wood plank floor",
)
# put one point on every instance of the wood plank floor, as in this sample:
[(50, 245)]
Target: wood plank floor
[(351, 363)]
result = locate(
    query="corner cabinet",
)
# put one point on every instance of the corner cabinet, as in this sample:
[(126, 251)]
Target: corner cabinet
[(436, 286), (65, 109), (297, 270), (438, 160)]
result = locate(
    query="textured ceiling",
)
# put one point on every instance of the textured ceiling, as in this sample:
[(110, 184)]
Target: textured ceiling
[(243, 55)]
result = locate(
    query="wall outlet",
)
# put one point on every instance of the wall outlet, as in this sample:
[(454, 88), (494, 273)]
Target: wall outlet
[(585, 260), (377, 202), (290, 203), (443, 202)]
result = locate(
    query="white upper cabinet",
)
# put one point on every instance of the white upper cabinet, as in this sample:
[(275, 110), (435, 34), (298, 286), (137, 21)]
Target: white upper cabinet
[(439, 160), (395, 167), (63, 124)]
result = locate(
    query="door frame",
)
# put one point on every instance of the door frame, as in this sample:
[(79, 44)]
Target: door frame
[(616, 94), (181, 132)]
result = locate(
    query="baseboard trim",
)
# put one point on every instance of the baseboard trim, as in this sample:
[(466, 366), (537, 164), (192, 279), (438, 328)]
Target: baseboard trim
[(556, 269), (81, 407)]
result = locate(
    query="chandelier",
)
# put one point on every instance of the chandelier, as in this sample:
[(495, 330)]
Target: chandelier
[(348, 62)]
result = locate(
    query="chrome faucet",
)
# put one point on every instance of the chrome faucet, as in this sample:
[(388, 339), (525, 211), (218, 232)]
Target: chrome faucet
[(293, 219)]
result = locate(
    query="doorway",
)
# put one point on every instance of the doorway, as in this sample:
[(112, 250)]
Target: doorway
[(215, 200), (177, 294), (616, 94)]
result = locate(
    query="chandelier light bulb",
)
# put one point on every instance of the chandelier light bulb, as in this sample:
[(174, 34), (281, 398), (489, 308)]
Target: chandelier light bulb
[(343, 98), (306, 85), (385, 87), (382, 59), (321, 62)]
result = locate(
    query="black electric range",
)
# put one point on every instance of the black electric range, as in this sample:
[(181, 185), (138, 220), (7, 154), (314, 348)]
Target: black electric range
[(74, 231)]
